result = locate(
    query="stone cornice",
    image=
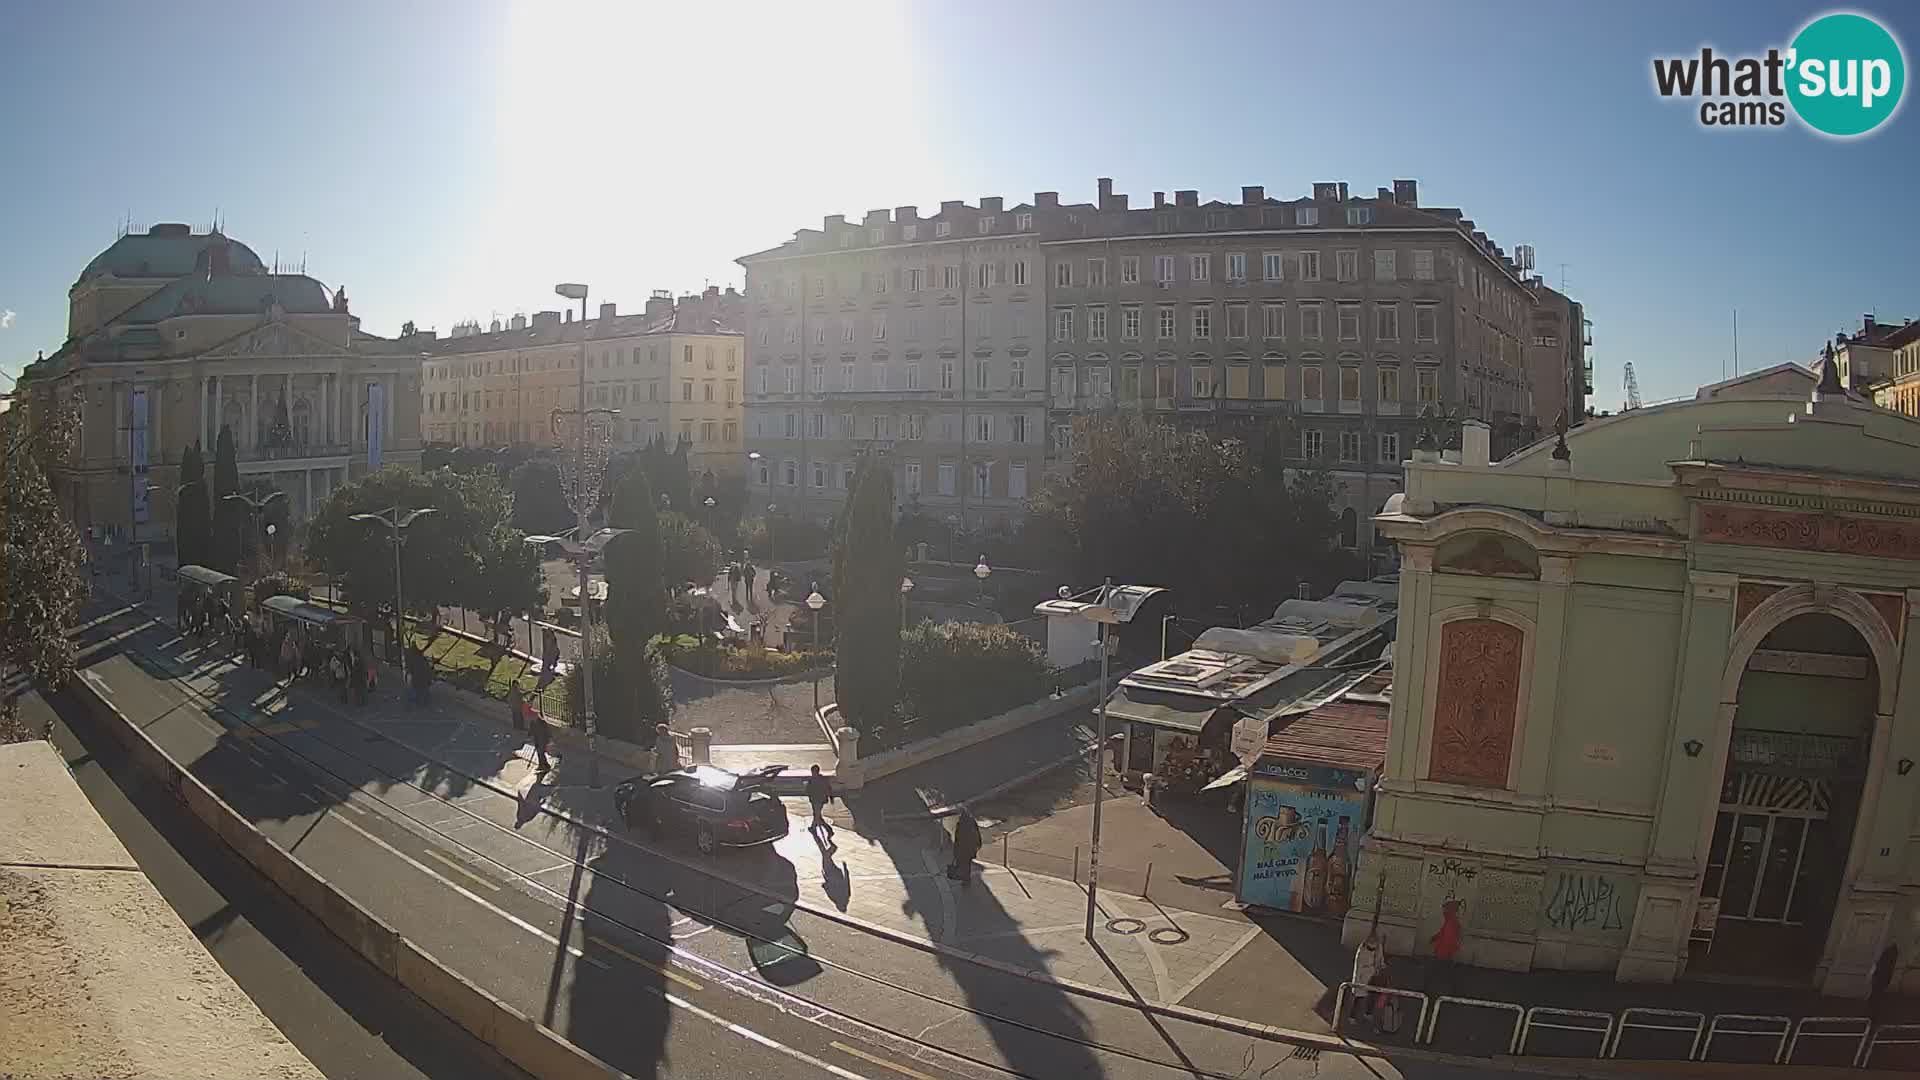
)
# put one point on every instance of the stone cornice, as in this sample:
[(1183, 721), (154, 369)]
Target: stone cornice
[(1806, 501)]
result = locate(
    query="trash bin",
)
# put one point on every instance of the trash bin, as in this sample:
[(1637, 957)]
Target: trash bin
[(700, 741)]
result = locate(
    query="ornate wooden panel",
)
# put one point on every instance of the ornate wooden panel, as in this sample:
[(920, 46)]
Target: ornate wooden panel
[(1838, 533), (1479, 697)]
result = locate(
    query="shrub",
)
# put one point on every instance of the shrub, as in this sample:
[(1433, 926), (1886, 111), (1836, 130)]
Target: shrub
[(955, 673), (746, 663), (629, 697), (278, 583)]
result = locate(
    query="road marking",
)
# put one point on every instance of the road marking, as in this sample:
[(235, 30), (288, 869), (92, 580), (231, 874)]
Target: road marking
[(482, 901), (876, 1059), (455, 864), (658, 969)]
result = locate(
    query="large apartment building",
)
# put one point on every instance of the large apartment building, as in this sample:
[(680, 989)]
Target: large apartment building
[(1557, 362), (948, 342), (673, 371)]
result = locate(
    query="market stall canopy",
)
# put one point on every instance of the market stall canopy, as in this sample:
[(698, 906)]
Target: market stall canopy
[(201, 575), (1338, 734)]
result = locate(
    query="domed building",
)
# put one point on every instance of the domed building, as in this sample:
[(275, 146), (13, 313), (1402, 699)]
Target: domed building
[(174, 335), (1655, 707)]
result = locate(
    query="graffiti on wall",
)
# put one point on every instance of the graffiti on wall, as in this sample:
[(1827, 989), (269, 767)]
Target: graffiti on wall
[(1581, 901)]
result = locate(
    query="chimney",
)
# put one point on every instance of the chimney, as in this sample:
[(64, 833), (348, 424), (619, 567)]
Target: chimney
[(1046, 200), (1866, 324), (948, 206), (833, 221), (990, 204), (1159, 199), (659, 305), (1253, 196), (566, 316), (1106, 192), (1382, 194), (1406, 192), (1474, 443), (494, 327), (607, 311), (906, 215), (546, 320), (1186, 198), (1326, 191), (519, 323), (1343, 191), (712, 292), (875, 217)]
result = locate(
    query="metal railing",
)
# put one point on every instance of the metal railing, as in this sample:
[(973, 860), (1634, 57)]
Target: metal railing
[(1651, 1023), (1857, 1028), (1439, 1003), (1575, 1020), (1344, 997), (1903, 1035), (1748, 1025)]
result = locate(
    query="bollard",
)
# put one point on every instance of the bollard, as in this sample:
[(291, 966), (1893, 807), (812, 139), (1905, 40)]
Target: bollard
[(701, 748), (1146, 791)]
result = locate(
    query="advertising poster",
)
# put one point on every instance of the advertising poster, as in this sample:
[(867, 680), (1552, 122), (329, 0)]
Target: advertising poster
[(1303, 826), (376, 424), (137, 453)]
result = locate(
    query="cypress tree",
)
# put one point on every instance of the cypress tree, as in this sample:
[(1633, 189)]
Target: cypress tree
[(636, 594), (194, 518), (229, 518), (867, 568)]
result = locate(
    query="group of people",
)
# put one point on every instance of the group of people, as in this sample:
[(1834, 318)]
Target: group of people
[(419, 675), (741, 570), (203, 615)]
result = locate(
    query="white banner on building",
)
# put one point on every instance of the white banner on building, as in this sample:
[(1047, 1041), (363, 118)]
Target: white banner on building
[(376, 424), (137, 452)]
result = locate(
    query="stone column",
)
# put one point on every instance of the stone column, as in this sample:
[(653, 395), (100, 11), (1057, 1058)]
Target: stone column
[(1543, 700), (219, 409), (253, 412), (307, 510), (1689, 788)]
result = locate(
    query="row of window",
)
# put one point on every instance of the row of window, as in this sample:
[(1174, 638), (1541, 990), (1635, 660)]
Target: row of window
[(1091, 322), (608, 394), (1022, 221), (1015, 428), (1312, 447), (1203, 382), (596, 358), (879, 375), (912, 477), (494, 433), (984, 225)]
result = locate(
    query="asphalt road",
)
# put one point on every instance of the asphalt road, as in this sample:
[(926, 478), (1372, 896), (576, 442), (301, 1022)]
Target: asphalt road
[(610, 943), (351, 1021)]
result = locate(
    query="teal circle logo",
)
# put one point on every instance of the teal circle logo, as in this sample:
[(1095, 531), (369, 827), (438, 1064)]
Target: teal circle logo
[(1846, 74)]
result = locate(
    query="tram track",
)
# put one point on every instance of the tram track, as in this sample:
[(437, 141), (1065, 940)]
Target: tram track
[(339, 790)]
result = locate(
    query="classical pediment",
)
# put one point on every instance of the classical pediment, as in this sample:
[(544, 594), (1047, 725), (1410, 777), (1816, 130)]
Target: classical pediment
[(273, 338)]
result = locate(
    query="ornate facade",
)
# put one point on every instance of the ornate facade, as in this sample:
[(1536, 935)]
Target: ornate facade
[(1655, 711), (174, 335)]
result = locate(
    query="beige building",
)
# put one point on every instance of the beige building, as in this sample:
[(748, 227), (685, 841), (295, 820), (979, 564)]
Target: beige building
[(173, 335), (916, 338), (674, 371)]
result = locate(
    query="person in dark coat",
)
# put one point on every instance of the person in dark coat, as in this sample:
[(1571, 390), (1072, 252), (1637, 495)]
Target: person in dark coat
[(819, 794), (540, 736), (966, 844)]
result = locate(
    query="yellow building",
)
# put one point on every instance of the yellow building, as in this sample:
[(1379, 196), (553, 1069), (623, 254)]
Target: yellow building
[(173, 335), (673, 371), (1900, 390)]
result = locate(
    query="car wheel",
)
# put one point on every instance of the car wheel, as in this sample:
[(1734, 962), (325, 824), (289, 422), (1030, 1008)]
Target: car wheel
[(705, 839)]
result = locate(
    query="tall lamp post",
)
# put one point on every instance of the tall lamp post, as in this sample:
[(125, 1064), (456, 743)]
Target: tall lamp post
[(814, 603), (772, 509), (1103, 616), (256, 508), (396, 526), (906, 586)]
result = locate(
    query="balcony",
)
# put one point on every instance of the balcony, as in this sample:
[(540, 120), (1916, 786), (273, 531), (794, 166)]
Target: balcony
[(883, 396)]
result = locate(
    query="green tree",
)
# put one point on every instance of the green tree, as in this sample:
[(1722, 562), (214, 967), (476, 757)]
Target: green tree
[(193, 530), (40, 580), (867, 567), (1226, 522), (688, 552), (229, 518), (539, 506), (446, 558), (630, 696), (636, 573)]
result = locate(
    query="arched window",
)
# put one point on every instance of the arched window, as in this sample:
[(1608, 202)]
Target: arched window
[(1349, 528), (302, 422)]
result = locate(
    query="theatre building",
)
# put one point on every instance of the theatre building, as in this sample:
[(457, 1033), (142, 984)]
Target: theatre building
[(1656, 701)]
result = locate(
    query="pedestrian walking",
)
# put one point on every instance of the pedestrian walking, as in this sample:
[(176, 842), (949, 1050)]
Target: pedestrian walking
[(752, 574), (733, 580), (1446, 946), (516, 707), (540, 737), (1369, 967), (966, 844), (337, 673), (819, 793)]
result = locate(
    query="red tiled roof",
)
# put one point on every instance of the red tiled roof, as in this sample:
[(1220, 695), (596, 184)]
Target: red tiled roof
[(1343, 734)]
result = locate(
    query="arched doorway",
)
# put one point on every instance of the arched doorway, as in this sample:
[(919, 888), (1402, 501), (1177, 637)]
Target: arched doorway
[(1789, 799)]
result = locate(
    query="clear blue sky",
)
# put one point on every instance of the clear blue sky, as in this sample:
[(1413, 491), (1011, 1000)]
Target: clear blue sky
[(454, 160)]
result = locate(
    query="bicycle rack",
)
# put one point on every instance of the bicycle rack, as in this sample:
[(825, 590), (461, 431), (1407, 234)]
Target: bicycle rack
[(1519, 1017), (1859, 1037), (1605, 1030), (1698, 1027), (1909, 1036), (1780, 1048), (1344, 997)]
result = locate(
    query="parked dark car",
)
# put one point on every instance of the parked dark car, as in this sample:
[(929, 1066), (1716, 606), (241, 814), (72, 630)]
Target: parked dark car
[(715, 807)]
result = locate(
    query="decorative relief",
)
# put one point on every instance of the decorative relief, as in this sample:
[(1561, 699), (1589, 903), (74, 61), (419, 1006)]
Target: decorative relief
[(1893, 609), (1488, 556), (1479, 694), (1835, 533), (1752, 595)]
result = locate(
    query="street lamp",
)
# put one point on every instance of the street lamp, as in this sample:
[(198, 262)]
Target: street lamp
[(583, 552), (396, 527), (256, 507), (1103, 616), (708, 503), (981, 570), (772, 509), (814, 603), (953, 526), (906, 586)]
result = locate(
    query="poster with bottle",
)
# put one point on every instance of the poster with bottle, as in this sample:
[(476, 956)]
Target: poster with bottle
[(1303, 828)]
